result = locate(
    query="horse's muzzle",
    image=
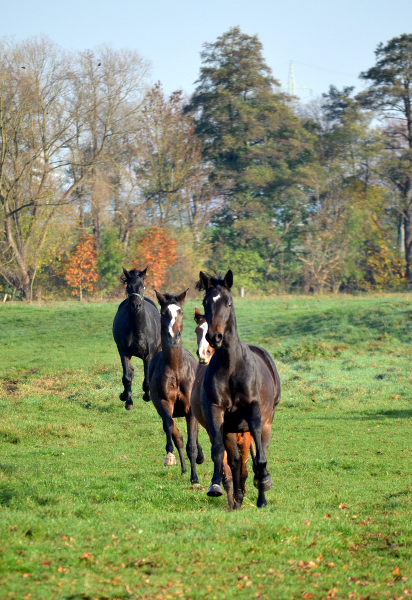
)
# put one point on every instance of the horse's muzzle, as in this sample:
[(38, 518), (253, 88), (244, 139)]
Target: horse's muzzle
[(215, 340)]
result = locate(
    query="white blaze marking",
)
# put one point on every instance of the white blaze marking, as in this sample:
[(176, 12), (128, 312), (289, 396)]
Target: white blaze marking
[(173, 309), (216, 298), (203, 344)]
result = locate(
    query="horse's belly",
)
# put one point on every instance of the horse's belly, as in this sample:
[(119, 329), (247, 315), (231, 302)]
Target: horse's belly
[(235, 423)]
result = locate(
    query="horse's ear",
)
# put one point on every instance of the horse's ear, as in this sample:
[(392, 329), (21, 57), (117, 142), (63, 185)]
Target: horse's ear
[(228, 280), (182, 297), (198, 315), (142, 274), (205, 280), (126, 273), (160, 298)]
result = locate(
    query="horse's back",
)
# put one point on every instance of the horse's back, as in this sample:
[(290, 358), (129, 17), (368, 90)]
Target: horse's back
[(264, 356)]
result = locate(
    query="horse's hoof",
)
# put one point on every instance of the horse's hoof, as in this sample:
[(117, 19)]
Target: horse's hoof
[(195, 484), (261, 503), (170, 459), (214, 491), (146, 397), (129, 406), (265, 485)]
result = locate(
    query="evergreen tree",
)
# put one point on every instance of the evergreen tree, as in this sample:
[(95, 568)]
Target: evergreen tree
[(257, 147)]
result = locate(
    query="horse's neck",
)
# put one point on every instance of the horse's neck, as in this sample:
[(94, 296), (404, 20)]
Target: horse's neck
[(230, 351), (138, 322), (172, 354)]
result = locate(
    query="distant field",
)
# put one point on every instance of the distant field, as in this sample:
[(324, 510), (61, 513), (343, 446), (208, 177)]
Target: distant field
[(88, 511)]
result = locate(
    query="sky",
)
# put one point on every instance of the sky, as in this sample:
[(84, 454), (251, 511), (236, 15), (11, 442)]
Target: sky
[(328, 41)]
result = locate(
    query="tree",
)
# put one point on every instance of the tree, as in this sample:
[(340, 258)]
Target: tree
[(256, 144), (58, 120), (81, 269), (159, 253), (109, 259), (390, 91)]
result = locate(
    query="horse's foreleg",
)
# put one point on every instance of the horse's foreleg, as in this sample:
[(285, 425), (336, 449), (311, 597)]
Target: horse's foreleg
[(128, 373), (146, 386), (262, 479), (168, 427), (214, 416), (235, 464), (191, 446), (178, 440)]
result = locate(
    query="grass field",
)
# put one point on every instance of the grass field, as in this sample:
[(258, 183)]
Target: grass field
[(87, 509)]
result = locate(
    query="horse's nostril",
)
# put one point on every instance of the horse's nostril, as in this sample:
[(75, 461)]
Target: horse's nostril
[(218, 337)]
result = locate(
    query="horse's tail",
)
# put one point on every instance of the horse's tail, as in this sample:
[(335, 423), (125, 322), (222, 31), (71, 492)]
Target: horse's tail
[(270, 363)]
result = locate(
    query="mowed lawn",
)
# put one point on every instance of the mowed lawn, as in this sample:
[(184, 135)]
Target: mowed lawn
[(87, 509)]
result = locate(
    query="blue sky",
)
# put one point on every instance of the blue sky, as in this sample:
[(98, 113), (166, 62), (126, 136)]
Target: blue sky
[(329, 41)]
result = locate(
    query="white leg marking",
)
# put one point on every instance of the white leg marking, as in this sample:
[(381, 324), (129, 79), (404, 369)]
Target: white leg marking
[(170, 459)]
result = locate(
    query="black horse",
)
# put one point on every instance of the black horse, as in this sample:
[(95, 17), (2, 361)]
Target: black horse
[(240, 390), (136, 331)]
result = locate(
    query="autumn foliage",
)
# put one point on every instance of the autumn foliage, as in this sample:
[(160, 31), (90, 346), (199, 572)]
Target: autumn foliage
[(159, 253), (81, 269)]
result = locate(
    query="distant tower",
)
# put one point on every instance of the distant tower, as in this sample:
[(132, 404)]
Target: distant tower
[(292, 86), (291, 82)]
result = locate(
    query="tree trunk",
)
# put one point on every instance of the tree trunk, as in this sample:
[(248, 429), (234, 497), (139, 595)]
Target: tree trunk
[(408, 241), (80, 292)]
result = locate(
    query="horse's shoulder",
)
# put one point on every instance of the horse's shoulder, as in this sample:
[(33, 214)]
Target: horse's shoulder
[(151, 303), (153, 363)]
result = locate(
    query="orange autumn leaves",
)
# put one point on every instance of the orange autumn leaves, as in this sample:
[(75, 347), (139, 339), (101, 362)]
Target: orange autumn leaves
[(158, 253), (80, 271)]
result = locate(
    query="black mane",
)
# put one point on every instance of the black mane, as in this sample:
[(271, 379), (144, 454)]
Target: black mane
[(215, 280)]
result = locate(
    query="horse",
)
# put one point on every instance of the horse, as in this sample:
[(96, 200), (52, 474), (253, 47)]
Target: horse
[(240, 391), (171, 378), (242, 440), (136, 331)]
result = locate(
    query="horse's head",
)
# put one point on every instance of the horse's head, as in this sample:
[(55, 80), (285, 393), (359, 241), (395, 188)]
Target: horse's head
[(171, 315), (218, 305), (134, 281), (204, 349)]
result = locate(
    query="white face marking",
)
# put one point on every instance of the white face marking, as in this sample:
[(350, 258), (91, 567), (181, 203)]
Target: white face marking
[(216, 298), (203, 344), (173, 309)]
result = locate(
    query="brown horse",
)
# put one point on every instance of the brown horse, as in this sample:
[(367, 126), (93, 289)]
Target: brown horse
[(242, 440), (240, 391), (171, 378)]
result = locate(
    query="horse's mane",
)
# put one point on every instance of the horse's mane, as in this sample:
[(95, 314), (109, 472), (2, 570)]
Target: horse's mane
[(215, 280)]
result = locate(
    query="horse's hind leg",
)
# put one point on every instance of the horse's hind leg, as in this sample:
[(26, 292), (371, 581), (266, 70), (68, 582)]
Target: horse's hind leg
[(228, 482), (235, 464), (178, 440), (261, 501), (146, 386), (262, 479), (128, 374), (244, 443)]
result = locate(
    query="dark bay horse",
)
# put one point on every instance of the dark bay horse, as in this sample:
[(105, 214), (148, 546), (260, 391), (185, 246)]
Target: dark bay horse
[(171, 378), (242, 440), (240, 390), (136, 331)]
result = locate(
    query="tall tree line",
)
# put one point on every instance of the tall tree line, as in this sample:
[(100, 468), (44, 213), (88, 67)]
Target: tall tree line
[(314, 197)]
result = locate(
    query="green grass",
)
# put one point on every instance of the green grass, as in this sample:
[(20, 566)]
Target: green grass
[(87, 509)]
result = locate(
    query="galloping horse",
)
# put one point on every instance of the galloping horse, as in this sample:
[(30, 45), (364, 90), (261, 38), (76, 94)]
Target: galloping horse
[(240, 391), (171, 377), (136, 331), (242, 440)]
